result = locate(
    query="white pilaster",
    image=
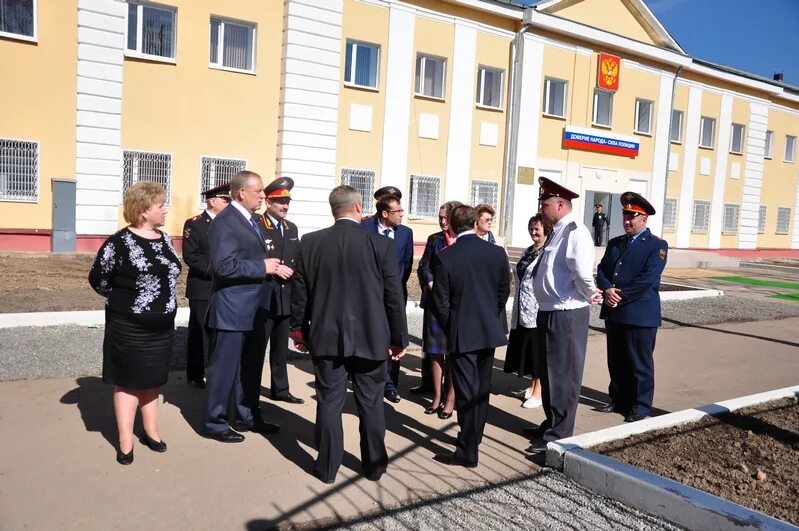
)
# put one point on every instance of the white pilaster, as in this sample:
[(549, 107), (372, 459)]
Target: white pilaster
[(685, 205), (753, 175), (661, 155), (720, 179), (309, 89), (98, 166), (795, 234)]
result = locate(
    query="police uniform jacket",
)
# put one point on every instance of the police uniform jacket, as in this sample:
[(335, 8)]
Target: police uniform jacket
[(635, 269), (196, 255), (286, 248)]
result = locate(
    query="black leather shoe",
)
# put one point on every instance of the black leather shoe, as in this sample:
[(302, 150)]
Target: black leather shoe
[(537, 447), (393, 396), (155, 446), (634, 417), (420, 390), (323, 479), (228, 436), (290, 398), (610, 407), (535, 433), (453, 460), (198, 383), (124, 459)]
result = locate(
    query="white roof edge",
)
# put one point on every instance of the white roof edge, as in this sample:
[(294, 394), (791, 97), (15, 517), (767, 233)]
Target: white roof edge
[(509, 12), (655, 23)]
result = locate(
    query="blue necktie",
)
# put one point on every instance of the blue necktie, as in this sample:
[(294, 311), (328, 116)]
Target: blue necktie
[(255, 226)]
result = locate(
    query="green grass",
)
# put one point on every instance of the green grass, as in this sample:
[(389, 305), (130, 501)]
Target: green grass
[(794, 297), (760, 282)]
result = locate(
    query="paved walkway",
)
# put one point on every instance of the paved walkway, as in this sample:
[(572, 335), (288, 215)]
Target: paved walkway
[(57, 467)]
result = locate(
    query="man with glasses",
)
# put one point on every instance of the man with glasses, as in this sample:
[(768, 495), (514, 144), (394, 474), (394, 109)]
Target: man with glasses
[(387, 222)]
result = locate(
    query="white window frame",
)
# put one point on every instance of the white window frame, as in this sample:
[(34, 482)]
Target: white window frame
[(769, 149), (128, 182), (712, 122), (353, 60), (138, 53), (761, 219), (22, 36), (6, 170), (741, 132), (481, 70), (548, 84), (415, 210), (680, 115), (425, 57), (638, 103), (212, 162), (790, 148), (703, 226), (670, 213), (493, 190), (220, 43), (594, 121), (366, 191), (730, 218), (785, 213)]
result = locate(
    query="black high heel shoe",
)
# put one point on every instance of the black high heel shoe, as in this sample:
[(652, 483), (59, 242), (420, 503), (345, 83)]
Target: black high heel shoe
[(124, 459), (155, 446), (443, 415), (430, 410)]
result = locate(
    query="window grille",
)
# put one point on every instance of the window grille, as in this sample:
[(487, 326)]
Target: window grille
[(151, 30), (17, 17), (707, 132), (737, 139), (144, 166), (676, 126), (423, 201), (603, 107), (485, 192), (362, 64), (216, 172), (232, 45), (364, 182), (555, 97), (643, 116), (430, 75), (761, 220), (730, 222), (701, 216), (489, 87), (783, 220), (19, 170), (670, 213)]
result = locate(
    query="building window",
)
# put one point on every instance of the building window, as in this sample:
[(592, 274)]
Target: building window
[(643, 116), (603, 107), (790, 148), (145, 166), (701, 216), (19, 170), (707, 132), (232, 45), (670, 213), (737, 140), (216, 172), (761, 220), (430, 72), (769, 144), (364, 182), (730, 222), (485, 192), (555, 97), (18, 18), (423, 200), (783, 220), (489, 87), (151, 30), (362, 64), (676, 127)]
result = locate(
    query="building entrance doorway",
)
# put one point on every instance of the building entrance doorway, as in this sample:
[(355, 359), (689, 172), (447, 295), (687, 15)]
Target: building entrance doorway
[(610, 206)]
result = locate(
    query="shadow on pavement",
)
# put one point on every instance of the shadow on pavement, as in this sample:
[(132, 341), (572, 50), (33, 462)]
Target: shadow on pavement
[(96, 405), (742, 334)]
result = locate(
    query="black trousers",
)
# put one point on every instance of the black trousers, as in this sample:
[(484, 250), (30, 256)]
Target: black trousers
[(471, 373), (368, 381), (223, 383), (598, 236), (197, 341), (252, 366), (277, 331), (631, 365), (562, 341)]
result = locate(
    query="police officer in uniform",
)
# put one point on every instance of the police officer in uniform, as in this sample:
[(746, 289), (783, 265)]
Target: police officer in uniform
[(599, 222), (198, 284), (629, 276)]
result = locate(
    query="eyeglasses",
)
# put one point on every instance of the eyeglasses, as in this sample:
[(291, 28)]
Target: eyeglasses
[(400, 211), (489, 220)]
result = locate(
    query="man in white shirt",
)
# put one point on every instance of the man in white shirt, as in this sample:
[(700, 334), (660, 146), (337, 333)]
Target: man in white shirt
[(564, 288)]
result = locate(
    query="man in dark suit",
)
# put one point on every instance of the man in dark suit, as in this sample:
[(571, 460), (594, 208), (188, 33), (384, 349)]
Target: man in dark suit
[(599, 223), (348, 311), (198, 283), (283, 244), (629, 276), (470, 287), (387, 222), (238, 305)]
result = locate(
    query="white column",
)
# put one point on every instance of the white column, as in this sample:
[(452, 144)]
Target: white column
[(720, 179), (309, 91), (461, 110), (685, 205), (661, 155), (753, 175), (98, 165), (795, 234)]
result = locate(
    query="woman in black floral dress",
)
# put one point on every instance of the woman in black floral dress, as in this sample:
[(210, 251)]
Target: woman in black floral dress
[(136, 269)]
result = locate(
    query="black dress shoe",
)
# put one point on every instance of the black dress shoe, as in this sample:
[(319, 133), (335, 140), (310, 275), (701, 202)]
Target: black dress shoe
[(124, 459), (453, 460), (323, 479), (535, 433), (199, 383), (634, 417), (290, 398), (393, 396), (430, 410), (537, 447), (155, 446), (444, 415), (420, 390), (228, 436), (610, 407)]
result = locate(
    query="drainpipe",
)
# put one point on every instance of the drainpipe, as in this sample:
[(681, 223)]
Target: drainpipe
[(668, 141), (512, 129)]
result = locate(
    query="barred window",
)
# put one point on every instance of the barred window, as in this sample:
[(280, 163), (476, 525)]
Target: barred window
[(730, 222), (19, 170), (364, 182), (216, 172), (232, 45), (144, 166), (423, 200), (761, 220), (151, 30), (485, 192), (783, 220), (18, 18), (670, 213), (701, 216)]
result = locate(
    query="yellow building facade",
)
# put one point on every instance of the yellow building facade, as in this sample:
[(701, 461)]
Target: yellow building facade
[(445, 99)]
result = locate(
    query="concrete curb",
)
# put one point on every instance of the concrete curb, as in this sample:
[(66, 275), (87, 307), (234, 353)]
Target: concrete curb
[(683, 505)]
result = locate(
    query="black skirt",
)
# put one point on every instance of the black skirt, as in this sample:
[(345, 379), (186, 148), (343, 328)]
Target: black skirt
[(522, 354), (137, 350)]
